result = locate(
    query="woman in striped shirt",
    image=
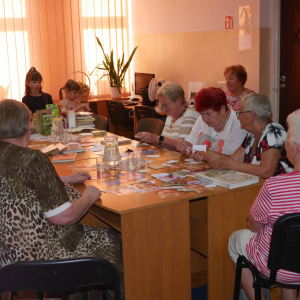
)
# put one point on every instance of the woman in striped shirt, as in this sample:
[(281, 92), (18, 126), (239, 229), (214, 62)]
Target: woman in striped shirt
[(180, 117), (279, 195)]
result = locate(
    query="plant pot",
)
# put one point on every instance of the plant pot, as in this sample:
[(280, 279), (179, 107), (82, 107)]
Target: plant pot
[(114, 93)]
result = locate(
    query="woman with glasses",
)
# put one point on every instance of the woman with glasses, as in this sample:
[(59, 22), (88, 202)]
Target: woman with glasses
[(217, 128), (262, 152), (180, 117)]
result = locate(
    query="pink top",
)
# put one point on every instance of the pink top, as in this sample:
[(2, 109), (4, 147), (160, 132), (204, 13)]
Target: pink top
[(279, 195), (234, 102)]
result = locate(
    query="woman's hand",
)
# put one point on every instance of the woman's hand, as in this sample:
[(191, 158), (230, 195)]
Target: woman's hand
[(181, 145), (195, 155), (217, 160), (92, 193), (147, 137), (78, 177)]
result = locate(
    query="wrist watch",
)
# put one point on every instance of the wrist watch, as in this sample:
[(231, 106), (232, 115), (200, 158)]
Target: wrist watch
[(160, 140)]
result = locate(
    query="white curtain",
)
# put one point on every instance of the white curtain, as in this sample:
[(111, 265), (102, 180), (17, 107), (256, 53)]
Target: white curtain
[(57, 37)]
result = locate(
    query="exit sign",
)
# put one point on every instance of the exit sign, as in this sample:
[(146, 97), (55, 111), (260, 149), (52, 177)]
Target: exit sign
[(229, 22)]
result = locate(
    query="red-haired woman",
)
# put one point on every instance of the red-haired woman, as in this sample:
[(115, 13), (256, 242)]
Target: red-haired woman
[(236, 77), (218, 128)]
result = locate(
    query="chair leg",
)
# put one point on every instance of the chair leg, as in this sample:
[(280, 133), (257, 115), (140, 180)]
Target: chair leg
[(41, 295), (237, 284), (12, 294), (106, 295)]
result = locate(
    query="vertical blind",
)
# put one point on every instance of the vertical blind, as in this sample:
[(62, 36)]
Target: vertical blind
[(57, 38)]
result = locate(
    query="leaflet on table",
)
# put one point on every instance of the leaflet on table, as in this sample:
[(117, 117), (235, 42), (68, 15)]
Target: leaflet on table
[(144, 186), (167, 193)]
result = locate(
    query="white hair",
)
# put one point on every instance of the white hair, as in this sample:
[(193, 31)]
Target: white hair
[(293, 122), (260, 105)]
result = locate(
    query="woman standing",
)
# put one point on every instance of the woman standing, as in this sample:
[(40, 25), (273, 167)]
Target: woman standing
[(236, 77)]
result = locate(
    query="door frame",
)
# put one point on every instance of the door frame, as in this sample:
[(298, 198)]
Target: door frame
[(275, 58)]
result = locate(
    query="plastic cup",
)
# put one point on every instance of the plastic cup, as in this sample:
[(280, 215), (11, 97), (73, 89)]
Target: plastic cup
[(131, 161), (100, 166)]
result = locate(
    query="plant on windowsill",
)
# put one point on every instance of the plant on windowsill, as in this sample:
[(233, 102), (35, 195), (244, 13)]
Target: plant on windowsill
[(114, 74)]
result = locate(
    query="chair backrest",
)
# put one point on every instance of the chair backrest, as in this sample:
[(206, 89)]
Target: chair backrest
[(151, 125), (101, 122), (117, 114), (59, 275), (145, 112), (285, 245)]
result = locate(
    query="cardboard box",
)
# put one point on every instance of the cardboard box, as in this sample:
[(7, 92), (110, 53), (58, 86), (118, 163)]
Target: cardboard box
[(46, 124)]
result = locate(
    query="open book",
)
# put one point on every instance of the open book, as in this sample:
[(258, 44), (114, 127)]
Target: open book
[(54, 149), (227, 178), (74, 148)]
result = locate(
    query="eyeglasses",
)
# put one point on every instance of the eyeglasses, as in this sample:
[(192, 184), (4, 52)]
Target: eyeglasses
[(238, 113), (165, 106)]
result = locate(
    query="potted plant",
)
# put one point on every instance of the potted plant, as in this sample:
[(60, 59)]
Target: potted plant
[(114, 74)]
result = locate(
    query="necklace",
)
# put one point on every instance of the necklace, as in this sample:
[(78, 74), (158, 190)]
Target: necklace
[(172, 122), (211, 142)]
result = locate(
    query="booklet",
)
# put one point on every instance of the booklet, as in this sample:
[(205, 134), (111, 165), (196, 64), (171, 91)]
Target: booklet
[(54, 149), (67, 157), (74, 148), (227, 178)]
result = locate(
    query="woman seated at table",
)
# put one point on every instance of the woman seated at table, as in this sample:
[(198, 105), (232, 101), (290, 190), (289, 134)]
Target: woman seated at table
[(236, 77), (217, 128), (262, 152), (279, 195), (39, 210), (180, 117)]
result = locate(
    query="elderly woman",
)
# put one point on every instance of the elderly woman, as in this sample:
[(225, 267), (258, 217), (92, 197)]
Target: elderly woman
[(262, 152), (217, 128), (236, 77), (39, 211), (278, 196), (180, 118)]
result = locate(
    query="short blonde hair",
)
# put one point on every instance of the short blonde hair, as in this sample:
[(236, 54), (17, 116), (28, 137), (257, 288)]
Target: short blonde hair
[(15, 117), (172, 91)]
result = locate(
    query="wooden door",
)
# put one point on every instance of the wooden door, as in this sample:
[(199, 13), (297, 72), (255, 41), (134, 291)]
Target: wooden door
[(289, 58)]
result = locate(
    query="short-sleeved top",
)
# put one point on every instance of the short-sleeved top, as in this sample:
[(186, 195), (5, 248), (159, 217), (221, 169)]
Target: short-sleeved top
[(273, 136), (234, 102), (279, 195), (182, 126), (35, 103), (30, 192), (226, 141)]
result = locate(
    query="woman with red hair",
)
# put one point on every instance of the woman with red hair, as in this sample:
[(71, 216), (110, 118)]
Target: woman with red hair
[(218, 128)]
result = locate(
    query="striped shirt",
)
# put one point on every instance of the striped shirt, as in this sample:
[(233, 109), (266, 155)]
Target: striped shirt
[(279, 195), (182, 126)]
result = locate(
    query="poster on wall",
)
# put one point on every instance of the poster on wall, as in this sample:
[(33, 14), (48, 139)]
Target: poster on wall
[(245, 27)]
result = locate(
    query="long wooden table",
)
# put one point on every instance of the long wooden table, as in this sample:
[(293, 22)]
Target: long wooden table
[(162, 236)]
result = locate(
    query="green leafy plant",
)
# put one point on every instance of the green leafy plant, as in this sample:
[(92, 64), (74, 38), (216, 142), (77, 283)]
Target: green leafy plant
[(83, 87), (115, 74)]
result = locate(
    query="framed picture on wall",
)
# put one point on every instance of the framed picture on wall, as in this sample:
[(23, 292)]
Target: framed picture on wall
[(194, 88)]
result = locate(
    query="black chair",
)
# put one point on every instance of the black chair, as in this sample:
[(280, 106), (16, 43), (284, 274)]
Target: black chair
[(60, 276), (145, 112), (101, 122), (151, 125), (118, 116), (283, 254)]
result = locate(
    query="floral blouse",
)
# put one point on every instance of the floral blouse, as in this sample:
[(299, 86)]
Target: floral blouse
[(273, 136), (234, 102)]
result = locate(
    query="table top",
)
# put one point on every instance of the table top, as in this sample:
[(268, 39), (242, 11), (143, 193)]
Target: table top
[(137, 201)]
